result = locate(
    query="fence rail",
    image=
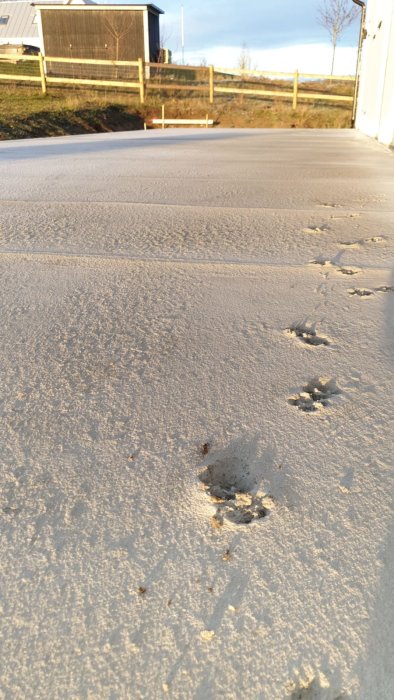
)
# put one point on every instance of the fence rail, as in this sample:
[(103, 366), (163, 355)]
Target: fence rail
[(208, 80)]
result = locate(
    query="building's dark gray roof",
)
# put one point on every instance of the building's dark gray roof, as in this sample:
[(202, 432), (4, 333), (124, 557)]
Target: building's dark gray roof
[(100, 6)]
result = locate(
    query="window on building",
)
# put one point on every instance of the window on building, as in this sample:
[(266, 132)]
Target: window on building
[(4, 19)]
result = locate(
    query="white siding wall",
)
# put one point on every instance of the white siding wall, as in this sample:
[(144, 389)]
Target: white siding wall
[(375, 112)]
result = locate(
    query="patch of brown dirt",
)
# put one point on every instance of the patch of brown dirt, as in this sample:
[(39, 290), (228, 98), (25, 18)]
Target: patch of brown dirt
[(69, 122)]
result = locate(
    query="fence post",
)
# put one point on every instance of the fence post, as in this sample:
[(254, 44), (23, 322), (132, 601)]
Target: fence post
[(211, 70), (141, 80), (295, 89), (42, 74)]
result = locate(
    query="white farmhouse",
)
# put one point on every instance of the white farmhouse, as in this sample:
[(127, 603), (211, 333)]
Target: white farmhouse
[(375, 108)]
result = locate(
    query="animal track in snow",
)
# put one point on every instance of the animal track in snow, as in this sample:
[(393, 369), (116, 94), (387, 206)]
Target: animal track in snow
[(362, 241), (384, 289), (375, 239), (360, 292), (348, 270), (307, 335), (346, 216), (351, 244), (322, 262), (230, 483), (317, 689), (315, 229), (344, 270), (315, 395)]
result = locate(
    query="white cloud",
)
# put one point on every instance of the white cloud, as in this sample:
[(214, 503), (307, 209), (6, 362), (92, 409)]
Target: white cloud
[(307, 58)]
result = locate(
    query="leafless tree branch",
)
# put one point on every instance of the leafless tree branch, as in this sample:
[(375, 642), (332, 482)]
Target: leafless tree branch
[(336, 16)]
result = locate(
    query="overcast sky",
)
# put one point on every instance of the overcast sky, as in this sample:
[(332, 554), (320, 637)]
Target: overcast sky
[(284, 35)]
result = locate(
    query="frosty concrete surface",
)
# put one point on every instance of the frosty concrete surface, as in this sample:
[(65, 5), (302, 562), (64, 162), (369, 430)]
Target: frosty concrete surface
[(162, 293)]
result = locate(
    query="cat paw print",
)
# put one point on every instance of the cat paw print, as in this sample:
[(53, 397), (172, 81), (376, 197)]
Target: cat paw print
[(316, 395), (307, 335), (231, 485)]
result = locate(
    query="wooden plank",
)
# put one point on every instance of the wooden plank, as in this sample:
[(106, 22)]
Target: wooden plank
[(90, 61), (240, 91), (295, 89), (241, 71), (170, 66), (171, 86), (83, 81), (265, 73), (211, 84), (327, 96), (42, 75), (197, 122), (18, 57), (19, 78), (328, 77), (279, 93), (141, 80)]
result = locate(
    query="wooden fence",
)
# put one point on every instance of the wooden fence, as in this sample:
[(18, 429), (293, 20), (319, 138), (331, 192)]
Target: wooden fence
[(208, 80)]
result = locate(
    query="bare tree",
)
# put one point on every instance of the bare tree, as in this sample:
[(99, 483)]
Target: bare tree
[(118, 27), (165, 36), (336, 16), (244, 59)]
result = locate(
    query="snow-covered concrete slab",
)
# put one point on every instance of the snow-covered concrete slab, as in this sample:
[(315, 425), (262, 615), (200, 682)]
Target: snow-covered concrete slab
[(196, 377)]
